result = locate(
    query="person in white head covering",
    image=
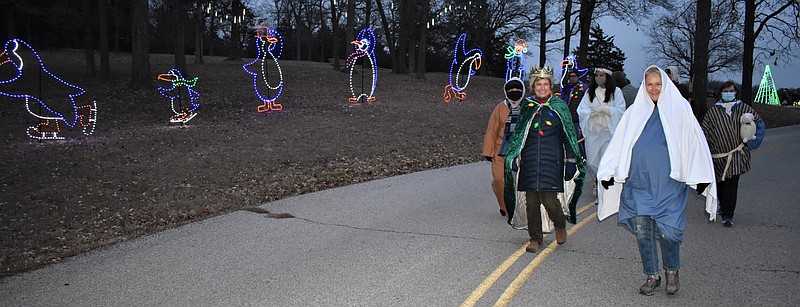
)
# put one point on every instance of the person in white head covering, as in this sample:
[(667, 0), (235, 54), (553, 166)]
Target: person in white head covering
[(657, 152), (599, 113)]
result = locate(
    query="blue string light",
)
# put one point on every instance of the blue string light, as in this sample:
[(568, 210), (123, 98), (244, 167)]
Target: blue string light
[(469, 60), (11, 56), (267, 40)]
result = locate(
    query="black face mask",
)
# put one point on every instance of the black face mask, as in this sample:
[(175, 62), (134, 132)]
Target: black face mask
[(514, 95)]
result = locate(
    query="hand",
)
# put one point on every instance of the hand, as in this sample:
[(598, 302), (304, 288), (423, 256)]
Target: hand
[(569, 171), (488, 158), (701, 187), (607, 183)]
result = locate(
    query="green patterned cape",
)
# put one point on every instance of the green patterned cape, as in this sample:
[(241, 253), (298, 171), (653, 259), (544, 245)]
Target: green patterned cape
[(527, 112)]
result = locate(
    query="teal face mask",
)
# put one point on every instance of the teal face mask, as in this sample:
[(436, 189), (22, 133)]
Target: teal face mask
[(728, 96)]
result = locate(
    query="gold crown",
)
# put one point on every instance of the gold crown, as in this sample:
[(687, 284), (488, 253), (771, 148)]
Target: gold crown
[(543, 72)]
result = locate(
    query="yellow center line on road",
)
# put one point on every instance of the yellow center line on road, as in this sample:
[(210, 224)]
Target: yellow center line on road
[(495, 275), (526, 273)]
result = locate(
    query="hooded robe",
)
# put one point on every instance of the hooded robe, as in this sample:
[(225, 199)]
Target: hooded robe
[(687, 155)]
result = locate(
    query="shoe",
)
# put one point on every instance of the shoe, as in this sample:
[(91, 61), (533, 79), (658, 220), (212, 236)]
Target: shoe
[(650, 285), (561, 235), (727, 222), (502, 212), (672, 282), (532, 247)]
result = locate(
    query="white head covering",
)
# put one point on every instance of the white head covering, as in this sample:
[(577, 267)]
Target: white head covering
[(689, 156)]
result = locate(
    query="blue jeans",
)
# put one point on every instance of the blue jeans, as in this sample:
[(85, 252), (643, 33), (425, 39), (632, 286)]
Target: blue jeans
[(647, 234)]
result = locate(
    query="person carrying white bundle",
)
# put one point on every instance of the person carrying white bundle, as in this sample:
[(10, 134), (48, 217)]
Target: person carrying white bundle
[(732, 129)]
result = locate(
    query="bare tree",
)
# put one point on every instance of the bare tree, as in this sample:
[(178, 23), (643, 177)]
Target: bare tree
[(702, 37), (629, 10), (775, 26), (200, 21), (424, 7), (674, 37), (235, 51), (102, 15), (87, 38), (335, 30), (178, 34), (140, 49)]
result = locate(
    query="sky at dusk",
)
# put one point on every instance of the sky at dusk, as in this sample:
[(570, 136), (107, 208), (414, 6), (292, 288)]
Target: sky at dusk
[(632, 43)]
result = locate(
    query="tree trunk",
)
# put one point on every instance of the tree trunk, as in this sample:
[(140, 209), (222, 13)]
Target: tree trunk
[(87, 38), (179, 36), (749, 47), (404, 37), (542, 33), (335, 31), (351, 22), (117, 18), (389, 35), (198, 33), (567, 31), (700, 75), (10, 21), (211, 29), (368, 13), (424, 8), (234, 51), (585, 19), (140, 48), (102, 14)]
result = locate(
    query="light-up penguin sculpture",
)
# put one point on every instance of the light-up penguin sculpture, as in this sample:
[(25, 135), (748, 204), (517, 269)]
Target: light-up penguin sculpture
[(269, 46), (364, 49), (575, 92), (515, 59), (21, 68), (179, 90), (465, 64)]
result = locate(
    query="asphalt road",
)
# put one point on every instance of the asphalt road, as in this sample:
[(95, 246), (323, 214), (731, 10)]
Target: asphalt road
[(435, 238)]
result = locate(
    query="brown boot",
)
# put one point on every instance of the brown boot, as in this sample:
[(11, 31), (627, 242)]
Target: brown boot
[(532, 247), (561, 235)]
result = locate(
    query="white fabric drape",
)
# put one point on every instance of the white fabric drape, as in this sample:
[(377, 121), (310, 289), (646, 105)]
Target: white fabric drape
[(689, 156), (598, 121)]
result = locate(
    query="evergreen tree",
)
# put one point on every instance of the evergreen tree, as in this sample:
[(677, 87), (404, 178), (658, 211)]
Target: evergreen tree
[(602, 51)]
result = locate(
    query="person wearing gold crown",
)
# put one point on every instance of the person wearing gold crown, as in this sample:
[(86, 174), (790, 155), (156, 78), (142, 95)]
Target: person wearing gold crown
[(543, 163)]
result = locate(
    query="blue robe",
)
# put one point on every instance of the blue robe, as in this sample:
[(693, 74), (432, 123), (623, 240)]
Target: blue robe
[(649, 190)]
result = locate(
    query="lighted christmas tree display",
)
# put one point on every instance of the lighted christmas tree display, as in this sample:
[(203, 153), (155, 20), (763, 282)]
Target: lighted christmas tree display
[(766, 91)]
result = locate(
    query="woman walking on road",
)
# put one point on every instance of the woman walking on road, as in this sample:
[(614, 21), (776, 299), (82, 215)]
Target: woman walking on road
[(732, 129), (544, 148), (657, 152)]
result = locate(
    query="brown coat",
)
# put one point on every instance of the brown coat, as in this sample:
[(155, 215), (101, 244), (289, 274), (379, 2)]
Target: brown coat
[(493, 138), (492, 141)]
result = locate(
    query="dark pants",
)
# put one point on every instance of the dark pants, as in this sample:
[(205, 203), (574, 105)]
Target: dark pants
[(533, 200), (726, 191)]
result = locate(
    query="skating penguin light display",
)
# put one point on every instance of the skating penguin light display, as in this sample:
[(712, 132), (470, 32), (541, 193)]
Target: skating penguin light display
[(18, 74), (364, 48), (182, 114), (465, 63), (268, 41), (515, 59)]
